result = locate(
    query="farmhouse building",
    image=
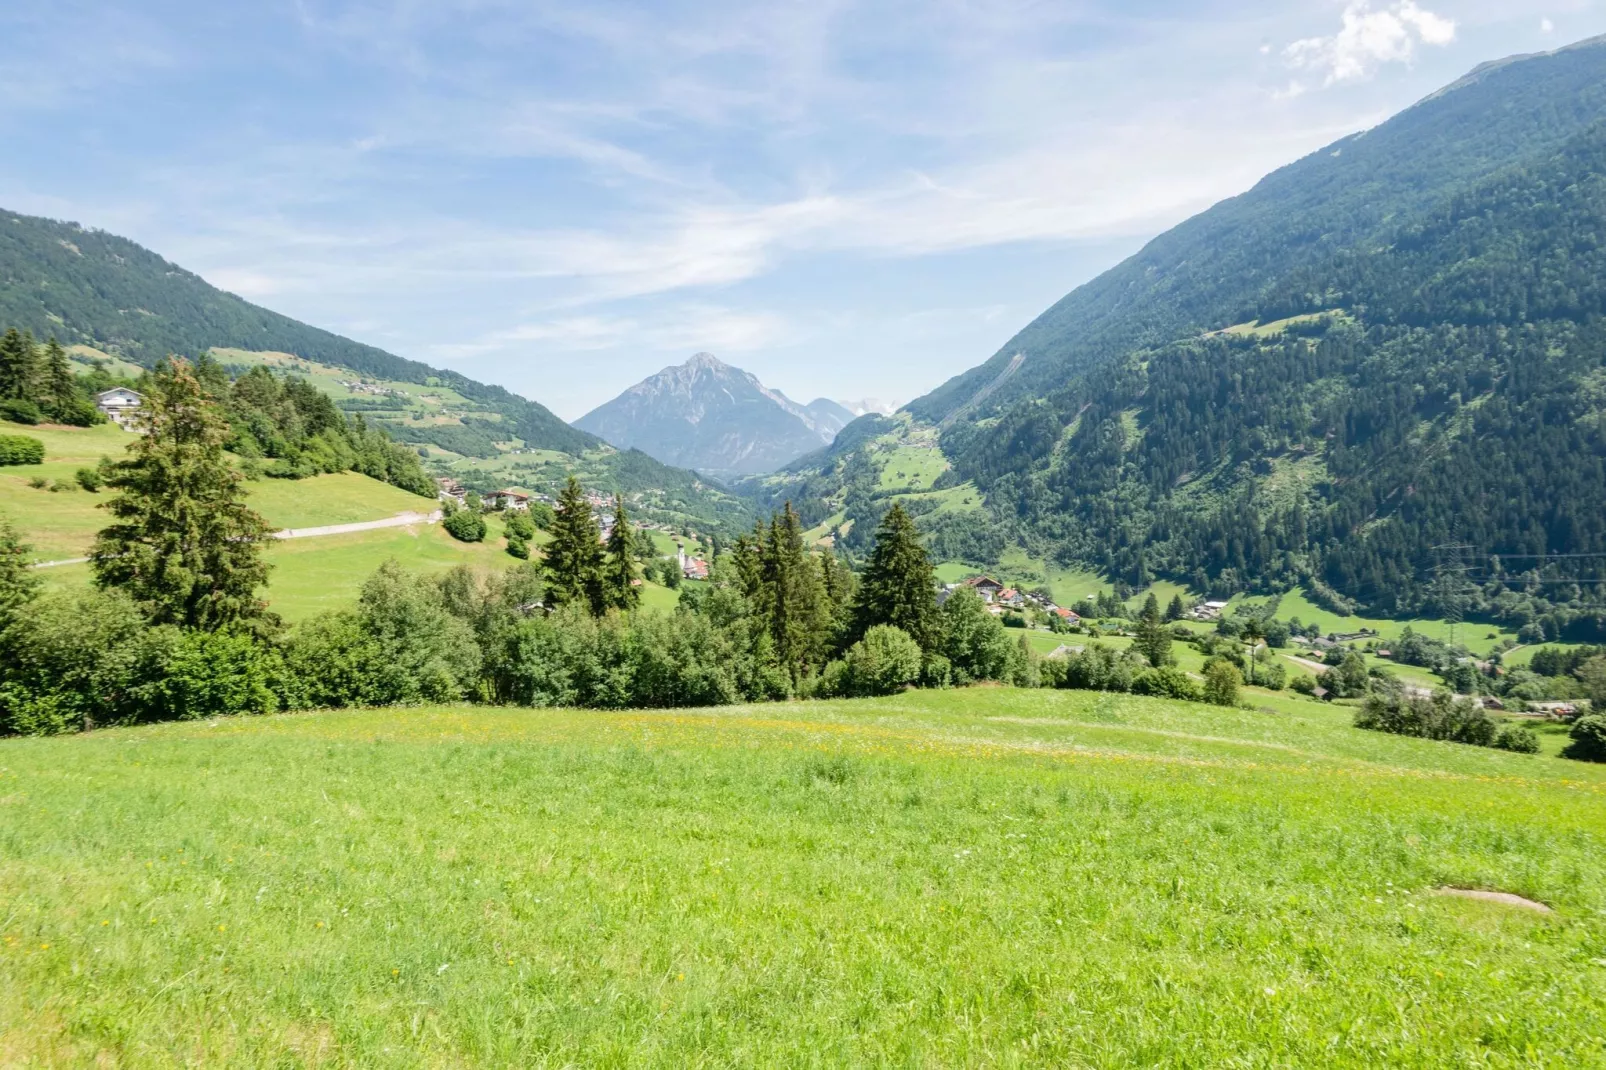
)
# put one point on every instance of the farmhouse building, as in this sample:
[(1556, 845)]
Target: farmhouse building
[(510, 499), (451, 490), (119, 405)]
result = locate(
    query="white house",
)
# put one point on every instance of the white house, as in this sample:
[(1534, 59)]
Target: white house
[(119, 404), (510, 499)]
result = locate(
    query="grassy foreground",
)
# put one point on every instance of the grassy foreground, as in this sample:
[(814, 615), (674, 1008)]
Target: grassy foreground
[(974, 877)]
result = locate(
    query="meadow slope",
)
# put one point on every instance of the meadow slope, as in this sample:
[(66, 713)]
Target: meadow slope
[(979, 877)]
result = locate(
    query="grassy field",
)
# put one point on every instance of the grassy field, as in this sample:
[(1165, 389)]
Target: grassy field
[(981, 877), (62, 523)]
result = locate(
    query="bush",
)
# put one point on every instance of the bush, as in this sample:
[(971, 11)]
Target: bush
[(1588, 737), (20, 411), (1518, 738), (465, 525), (520, 526), (518, 548), (1167, 682), (883, 662), (1442, 717), (20, 449), (211, 674), (78, 660), (1305, 685), (1222, 681), (89, 479)]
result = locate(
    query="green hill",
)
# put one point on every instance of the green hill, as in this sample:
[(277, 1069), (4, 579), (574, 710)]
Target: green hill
[(105, 296), (1390, 348), (92, 288), (974, 877)]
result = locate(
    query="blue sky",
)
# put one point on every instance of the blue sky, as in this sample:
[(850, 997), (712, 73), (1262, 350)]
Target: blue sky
[(850, 199)]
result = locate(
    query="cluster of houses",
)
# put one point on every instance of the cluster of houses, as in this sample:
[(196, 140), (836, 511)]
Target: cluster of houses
[(506, 498), (357, 387), (999, 598)]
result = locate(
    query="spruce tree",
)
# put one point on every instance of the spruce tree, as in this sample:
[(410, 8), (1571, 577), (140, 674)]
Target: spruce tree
[(898, 587), (184, 545), (1152, 640), (60, 385), (18, 365), (793, 598), (1175, 611), (619, 564), (19, 581), (573, 558)]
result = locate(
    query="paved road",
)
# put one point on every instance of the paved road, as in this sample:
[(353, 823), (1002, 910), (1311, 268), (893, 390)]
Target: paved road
[(400, 520)]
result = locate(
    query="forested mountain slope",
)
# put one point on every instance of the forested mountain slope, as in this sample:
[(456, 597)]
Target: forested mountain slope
[(92, 288), (1229, 264), (1381, 375)]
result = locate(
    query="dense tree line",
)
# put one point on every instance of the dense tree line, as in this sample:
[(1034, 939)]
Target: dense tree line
[(37, 383)]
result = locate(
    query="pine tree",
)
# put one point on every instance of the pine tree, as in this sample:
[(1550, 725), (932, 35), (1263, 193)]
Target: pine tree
[(793, 601), (1152, 640), (19, 581), (898, 587), (60, 385), (619, 566), (1175, 610), (18, 365), (573, 558), (184, 544)]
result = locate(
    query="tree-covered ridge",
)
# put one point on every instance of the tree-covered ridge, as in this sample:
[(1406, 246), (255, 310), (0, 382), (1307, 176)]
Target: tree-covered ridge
[(287, 428), (1217, 268), (89, 287), (1446, 385)]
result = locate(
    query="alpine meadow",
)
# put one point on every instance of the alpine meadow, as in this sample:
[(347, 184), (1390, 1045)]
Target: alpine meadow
[(1215, 676)]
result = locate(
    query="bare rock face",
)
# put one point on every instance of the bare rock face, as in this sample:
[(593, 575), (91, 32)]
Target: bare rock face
[(705, 414)]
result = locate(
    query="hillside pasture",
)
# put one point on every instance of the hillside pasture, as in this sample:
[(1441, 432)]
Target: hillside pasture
[(977, 877)]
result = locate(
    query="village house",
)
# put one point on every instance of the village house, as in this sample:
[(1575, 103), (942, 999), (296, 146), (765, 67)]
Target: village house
[(451, 490), (119, 404), (507, 498), (1069, 616), (986, 586), (1207, 611)]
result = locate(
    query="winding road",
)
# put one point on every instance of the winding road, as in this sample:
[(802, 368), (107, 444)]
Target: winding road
[(400, 520)]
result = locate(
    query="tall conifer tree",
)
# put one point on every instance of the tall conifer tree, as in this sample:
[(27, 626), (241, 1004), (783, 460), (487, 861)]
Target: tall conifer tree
[(573, 558), (184, 544), (793, 602), (59, 382), (18, 365), (899, 587), (619, 564)]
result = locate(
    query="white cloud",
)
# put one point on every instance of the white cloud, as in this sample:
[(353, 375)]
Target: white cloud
[(1368, 39), (1546, 26)]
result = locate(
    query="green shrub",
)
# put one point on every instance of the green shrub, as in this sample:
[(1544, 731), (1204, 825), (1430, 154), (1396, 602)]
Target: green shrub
[(1222, 681), (20, 411), (883, 662), (518, 548), (1443, 717), (1518, 738), (1588, 737), (465, 525), (89, 479), (20, 449), (1167, 682), (211, 674)]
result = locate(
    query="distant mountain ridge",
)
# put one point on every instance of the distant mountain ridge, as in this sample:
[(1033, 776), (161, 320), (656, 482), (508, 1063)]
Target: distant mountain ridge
[(717, 419), (93, 288)]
